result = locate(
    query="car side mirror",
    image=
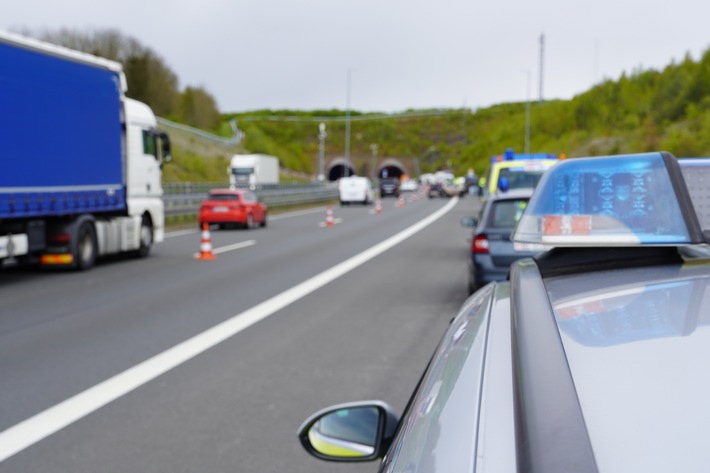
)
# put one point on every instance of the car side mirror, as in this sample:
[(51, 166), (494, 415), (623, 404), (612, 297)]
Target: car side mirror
[(469, 222), (352, 432)]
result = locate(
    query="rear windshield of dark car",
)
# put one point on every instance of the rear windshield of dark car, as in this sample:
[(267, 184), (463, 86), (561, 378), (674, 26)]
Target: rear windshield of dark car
[(506, 213), (224, 197)]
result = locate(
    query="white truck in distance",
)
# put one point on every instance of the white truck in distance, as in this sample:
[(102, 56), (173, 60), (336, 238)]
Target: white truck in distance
[(251, 170)]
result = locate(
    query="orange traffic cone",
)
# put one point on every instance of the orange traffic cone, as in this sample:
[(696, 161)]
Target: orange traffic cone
[(400, 201), (329, 222), (206, 245), (378, 206)]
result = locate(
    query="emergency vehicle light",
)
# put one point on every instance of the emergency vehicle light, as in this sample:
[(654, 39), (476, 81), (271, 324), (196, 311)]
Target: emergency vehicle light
[(627, 200)]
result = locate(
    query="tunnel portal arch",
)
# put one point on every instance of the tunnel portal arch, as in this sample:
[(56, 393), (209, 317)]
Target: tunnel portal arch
[(340, 167), (391, 168)]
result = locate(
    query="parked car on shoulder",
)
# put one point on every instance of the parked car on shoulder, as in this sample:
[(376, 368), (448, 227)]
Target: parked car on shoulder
[(355, 190), (227, 207), (591, 357)]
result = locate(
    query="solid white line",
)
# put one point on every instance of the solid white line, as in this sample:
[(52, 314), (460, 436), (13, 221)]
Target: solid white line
[(178, 233), (32, 430), (235, 246)]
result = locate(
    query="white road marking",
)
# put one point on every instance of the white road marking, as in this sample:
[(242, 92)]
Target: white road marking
[(32, 430), (178, 233), (235, 246)]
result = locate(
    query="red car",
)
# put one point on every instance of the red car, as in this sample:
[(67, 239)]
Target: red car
[(239, 206)]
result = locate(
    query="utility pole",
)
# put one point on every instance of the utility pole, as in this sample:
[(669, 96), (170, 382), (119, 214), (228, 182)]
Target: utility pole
[(321, 155), (373, 148), (542, 63), (527, 117), (346, 172)]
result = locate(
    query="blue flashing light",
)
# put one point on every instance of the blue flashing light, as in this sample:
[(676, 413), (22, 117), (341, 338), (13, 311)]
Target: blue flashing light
[(503, 184), (509, 155), (607, 201)]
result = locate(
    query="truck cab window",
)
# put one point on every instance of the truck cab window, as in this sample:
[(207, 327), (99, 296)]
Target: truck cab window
[(150, 145)]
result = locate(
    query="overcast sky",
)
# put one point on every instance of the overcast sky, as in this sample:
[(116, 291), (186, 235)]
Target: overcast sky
[(402, 54)]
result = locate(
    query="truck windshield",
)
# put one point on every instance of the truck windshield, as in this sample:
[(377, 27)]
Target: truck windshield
[(242, 171), (520, 179)]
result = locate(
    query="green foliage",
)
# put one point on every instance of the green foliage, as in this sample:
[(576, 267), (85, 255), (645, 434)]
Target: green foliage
[(645, 110), (189, 167), (199, 109)]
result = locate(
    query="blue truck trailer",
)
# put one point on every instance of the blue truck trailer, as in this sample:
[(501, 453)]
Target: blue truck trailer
[(81, 162)]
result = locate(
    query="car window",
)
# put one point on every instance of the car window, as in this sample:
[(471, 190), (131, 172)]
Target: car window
[(506, 213), (520, 179), (224, 197)]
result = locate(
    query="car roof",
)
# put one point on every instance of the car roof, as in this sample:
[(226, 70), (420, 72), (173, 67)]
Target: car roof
[(523, 193), (535, 163)]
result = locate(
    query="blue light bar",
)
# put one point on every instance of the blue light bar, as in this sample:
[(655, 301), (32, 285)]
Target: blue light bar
[(509, 155), (628, 200)]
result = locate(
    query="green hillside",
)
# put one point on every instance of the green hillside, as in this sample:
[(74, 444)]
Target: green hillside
[(646, 110)]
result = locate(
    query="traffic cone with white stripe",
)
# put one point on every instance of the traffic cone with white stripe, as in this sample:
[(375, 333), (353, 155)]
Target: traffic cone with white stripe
[(329, 222), (206, 245), (378, 206), (400, 201)]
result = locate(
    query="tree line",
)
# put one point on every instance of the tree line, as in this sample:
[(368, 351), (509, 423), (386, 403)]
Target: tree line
[(641, 111), (150, 79)]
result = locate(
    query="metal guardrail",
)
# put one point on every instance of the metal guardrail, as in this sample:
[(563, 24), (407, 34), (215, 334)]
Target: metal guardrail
[(184, 199)]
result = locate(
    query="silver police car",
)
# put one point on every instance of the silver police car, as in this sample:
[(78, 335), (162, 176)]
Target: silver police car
[(592, 357)]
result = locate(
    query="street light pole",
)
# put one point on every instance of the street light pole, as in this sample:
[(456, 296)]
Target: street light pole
[(527, 117), (347, 127), (373, 148), (321, 154)]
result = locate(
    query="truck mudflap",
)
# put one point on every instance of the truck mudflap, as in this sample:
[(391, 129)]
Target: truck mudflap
[(13, 245)]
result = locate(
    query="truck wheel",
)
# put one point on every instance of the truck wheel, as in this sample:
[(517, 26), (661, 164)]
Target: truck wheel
[(86, 247), (146, 238)]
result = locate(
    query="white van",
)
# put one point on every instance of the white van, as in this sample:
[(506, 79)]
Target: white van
[(356, 189)]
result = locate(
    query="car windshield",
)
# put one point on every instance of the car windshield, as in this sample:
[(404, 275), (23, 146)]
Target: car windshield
[(506, 213), (224, 197)]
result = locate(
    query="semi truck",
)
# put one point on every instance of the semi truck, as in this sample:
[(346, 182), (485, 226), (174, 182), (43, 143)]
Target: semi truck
[(81, 162), (251, 170)]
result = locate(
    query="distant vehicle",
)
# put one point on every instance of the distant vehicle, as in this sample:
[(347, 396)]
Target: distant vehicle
[(87, 182), (516, 172), (591, 358), (454, 187), (355, 190), (389, 186), (448, 188), (251, 170), (410, 185), (492, 251), (226, 207)]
